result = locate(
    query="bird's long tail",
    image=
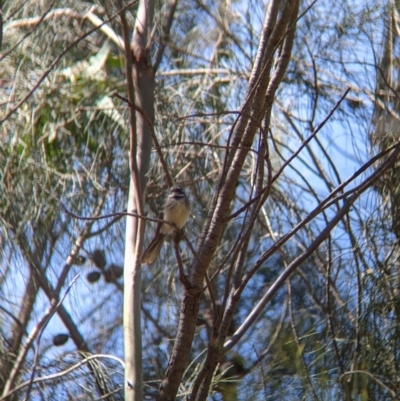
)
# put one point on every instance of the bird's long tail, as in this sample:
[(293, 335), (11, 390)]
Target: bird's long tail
[(151, 252)]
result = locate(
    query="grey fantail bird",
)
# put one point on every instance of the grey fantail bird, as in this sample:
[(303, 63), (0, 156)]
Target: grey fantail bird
[(175, 210)]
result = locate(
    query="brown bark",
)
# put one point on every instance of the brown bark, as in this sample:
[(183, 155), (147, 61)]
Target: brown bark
[(276, 39)]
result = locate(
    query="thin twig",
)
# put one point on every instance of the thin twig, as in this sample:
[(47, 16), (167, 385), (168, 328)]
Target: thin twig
[(291, 158), (182, 276), (295, 263), (153, 135), (47, 320), (37, 331), (364, 372), (62, 373), (117, 214)]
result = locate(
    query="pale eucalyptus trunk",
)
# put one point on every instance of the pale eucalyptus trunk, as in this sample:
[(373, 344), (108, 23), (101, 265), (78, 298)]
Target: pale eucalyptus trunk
[(140, 80)]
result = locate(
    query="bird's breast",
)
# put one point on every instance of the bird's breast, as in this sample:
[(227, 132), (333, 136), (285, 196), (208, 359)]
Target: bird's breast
[(179, 215)]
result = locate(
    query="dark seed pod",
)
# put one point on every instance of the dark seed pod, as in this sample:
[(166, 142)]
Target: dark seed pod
[(60, 339), (112, 273), (92, 277), (99, 259)]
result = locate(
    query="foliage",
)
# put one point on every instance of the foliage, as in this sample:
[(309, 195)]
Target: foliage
[(330, 332)]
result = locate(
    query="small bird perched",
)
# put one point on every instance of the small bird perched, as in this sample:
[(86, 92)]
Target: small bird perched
[(176, 210)]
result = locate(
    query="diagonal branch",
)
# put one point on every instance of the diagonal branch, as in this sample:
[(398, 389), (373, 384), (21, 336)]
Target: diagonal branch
[(300, 259)]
